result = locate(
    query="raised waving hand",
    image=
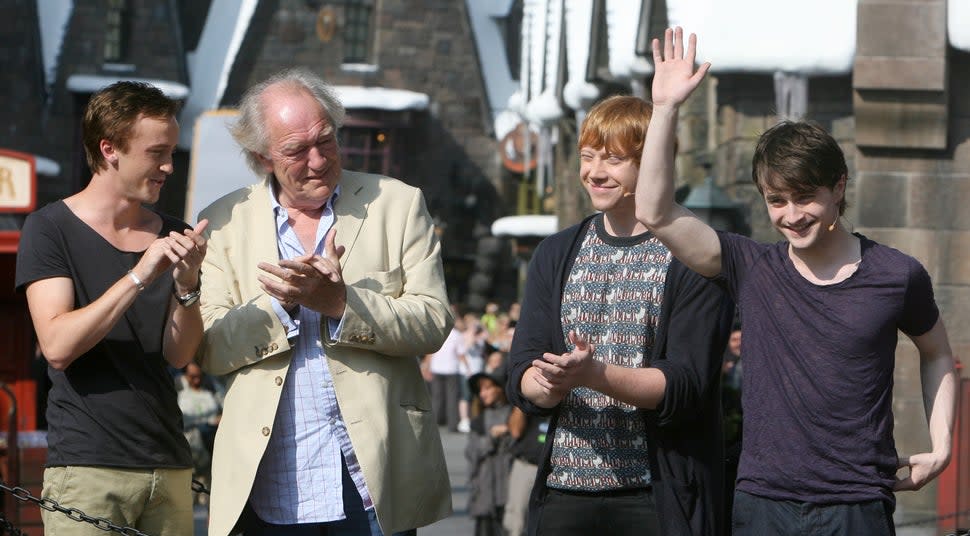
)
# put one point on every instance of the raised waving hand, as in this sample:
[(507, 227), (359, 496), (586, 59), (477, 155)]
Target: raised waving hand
[(674, 76)]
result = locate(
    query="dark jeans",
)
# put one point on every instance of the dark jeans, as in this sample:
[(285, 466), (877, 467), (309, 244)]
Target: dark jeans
[(617, 513), (758, 516), (445, 394), (359, 522)]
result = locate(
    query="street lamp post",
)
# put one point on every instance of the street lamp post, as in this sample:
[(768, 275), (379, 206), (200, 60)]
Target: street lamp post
[(712, 205)]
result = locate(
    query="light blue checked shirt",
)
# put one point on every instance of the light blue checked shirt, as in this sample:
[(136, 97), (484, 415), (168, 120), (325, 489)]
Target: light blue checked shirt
[(299, 478)]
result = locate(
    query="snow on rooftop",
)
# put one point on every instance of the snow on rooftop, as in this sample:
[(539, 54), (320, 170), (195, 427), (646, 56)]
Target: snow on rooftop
[(209, 66), (46, 166), (487, 21), (579, 21), (623, 18), (89, 83), (53, 16), (958, 23), (381, 98), (816, 37), (530, 225)]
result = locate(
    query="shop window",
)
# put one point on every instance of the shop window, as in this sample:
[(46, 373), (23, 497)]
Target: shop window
[(367, 148)]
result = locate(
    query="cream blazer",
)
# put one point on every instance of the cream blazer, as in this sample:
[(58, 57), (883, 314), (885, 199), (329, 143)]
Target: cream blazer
[(397, 309)]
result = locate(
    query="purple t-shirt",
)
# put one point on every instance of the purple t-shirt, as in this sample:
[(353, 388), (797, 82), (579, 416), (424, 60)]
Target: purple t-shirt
[(818, 369)]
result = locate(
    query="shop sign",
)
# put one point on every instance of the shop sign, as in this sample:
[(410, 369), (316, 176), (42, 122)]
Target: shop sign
[(18, 182)]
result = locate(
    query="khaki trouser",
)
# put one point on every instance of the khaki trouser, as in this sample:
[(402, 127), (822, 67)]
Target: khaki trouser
[(157, 502), (521, 478)]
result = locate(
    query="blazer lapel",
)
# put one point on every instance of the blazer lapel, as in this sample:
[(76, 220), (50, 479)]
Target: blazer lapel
[(350, 210), (262, 231)]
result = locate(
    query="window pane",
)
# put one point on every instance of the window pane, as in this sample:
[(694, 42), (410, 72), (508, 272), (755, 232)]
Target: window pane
[(357, 17)]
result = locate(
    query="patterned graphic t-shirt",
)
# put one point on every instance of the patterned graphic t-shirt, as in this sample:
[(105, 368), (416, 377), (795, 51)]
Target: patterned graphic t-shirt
[(612, 297)]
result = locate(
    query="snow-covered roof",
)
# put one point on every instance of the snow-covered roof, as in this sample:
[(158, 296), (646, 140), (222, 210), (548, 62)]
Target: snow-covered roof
[(486, 22), (89, 83), (578, 93), (52, 16), (381, 98), (810, 38), (529, 225), (209, 66), (622, 18), (46, 166), (958, 23)]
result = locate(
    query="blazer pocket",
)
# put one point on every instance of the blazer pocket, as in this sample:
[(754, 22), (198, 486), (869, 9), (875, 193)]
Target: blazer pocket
[(421, 421), (388, 283)]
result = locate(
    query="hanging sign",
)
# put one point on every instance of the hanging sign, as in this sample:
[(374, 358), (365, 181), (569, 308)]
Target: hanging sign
[(18, 182)]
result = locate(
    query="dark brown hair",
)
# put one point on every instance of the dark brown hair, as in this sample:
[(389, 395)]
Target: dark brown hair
[(112, 112), (798, 158)]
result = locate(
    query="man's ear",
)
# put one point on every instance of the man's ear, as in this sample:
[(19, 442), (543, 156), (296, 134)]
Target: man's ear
[(265, 162), (108, 151), (839, 189)]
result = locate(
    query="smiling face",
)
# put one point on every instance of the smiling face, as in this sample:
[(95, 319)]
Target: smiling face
[(147, 161), (608, 178), (302, 150), (803, 218)]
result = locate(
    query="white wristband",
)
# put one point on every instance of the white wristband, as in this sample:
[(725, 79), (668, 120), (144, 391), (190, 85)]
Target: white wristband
[(139, 284)]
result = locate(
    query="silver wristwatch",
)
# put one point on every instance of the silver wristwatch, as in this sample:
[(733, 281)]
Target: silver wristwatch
[(185, 300)]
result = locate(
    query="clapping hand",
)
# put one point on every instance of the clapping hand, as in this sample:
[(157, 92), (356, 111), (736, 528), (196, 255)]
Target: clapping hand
[(558, 374), (311, 281), (183, 251)]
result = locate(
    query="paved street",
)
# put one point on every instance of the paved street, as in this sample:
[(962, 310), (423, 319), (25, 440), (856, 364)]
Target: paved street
[(457, 525)]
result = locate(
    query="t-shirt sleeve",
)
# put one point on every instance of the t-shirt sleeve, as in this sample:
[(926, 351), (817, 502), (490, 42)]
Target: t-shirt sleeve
[(738, 253), (39, 254), (920, 312)]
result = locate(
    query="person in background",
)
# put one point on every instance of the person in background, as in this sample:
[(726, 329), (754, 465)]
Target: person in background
[(200, 417), (822, 311), (475, 344), (445, 366), (621, 345), (733, 416), (528, 439), (112, 288), (488, 453), (322, 287), (490, 317)]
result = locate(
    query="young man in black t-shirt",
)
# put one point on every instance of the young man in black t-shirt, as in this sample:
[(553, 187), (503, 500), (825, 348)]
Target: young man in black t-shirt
[(112, 287)]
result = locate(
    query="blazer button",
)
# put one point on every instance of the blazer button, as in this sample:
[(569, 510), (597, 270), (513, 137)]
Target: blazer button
[(273, 347), (266, 430), (278, 380)]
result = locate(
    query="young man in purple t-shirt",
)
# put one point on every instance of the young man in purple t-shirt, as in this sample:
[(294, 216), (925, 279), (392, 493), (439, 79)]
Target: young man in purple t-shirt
[(821, 313)]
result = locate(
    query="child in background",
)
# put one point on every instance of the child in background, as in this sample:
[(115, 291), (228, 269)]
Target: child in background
[(488, 452)]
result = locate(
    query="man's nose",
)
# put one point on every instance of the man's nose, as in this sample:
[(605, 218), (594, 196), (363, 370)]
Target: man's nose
[(596, 168), (317, 158)]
